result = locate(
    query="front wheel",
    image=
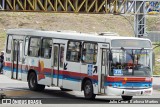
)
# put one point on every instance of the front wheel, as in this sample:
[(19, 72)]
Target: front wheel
[(32, 83), (88, 90), (127, 98)]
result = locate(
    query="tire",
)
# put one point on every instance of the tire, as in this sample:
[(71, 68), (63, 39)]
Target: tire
[(127, 98), (88, 90), (32, 83)]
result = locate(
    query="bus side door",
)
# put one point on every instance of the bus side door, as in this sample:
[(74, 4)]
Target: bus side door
[(103, 67), (58, 60), (17, 59)]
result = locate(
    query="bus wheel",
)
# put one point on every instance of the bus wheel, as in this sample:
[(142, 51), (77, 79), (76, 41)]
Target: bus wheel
[(88, 90), (32, 83), (127, 98)]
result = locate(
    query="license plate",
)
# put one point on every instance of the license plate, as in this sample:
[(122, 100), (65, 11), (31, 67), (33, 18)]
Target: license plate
[(132, 93)]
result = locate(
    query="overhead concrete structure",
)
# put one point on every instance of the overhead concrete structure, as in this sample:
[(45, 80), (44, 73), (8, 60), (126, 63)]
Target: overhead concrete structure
[(138, 8)]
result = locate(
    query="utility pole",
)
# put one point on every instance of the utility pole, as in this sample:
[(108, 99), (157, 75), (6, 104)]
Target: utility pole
[(140, 18)]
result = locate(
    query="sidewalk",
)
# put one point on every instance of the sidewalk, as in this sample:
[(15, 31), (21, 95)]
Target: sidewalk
[(8, 80)]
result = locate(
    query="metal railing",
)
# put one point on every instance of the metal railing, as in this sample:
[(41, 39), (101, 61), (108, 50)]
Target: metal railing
[(77, 6)]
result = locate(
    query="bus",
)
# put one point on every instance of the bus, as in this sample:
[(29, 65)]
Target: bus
[(97, 64)]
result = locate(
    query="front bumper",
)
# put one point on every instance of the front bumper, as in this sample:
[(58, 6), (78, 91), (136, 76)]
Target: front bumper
[(128, 92)]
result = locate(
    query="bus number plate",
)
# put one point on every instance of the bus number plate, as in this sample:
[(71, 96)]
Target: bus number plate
[(117, 72)]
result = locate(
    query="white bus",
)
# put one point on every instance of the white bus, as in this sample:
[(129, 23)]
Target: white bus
[(98, 64)]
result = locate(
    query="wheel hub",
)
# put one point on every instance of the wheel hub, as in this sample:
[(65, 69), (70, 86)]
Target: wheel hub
[(32, 82), (87, 89)]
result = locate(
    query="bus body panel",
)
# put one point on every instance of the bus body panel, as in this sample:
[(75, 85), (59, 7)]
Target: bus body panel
[(44, 74), (73, 74)]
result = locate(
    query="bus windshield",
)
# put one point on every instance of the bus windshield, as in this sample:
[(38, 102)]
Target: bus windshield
[(131, 62)]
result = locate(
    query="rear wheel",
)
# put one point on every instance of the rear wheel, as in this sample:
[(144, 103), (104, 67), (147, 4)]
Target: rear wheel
[(32, 83), (88, 90), (127, 98)]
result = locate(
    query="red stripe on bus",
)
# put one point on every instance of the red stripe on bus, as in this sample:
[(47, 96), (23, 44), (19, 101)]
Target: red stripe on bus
[(49, 70), (129, 79), (76, 74), (7, 64), (10, 64)]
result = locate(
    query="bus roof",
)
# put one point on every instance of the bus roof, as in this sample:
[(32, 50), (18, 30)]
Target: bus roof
[(102, 37)]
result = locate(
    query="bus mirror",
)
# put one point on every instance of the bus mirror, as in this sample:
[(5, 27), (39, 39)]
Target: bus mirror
[(153, 59), (110, 56)]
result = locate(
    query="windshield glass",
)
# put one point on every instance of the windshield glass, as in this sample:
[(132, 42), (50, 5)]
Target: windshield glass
[(130, 62)]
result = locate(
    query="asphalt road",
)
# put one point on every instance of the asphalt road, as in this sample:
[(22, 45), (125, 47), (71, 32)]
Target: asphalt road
[(53, 95)]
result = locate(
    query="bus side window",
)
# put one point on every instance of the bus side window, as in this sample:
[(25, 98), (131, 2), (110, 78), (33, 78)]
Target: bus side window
[(9, 40), (34, 47), (89, 53), (26, 46), (55, 56), (46, 48), (61, 56), (73, 51)]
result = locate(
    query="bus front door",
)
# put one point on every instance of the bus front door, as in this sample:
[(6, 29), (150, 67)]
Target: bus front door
[(103, 67), (58, 64), (17, 59)]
